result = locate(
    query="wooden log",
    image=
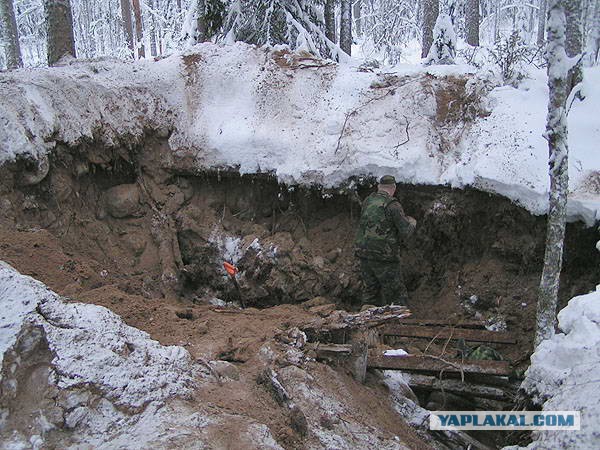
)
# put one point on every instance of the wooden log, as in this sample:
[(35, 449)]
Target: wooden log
[(447, 333), (323, 351), (429, 364), (456, 386), (441, 322)]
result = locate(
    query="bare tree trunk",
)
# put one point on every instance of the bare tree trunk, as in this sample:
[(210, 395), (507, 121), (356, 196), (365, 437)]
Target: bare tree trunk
[(346, 26), (574, 41), (139, 31), (357, 12), (59, 20), (496, 22), (152, 22), (10, 35), (330, 20), (557, 136), (472, 22), (594, 43), (431, 10), (541, 34), (127, 25)]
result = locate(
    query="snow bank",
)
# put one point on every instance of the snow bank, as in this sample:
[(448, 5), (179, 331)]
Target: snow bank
[(563, 375), (75, 376), (123, 362), (268, 110)]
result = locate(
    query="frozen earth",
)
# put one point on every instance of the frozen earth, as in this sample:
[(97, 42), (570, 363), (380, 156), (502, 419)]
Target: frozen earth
[(309, 121)]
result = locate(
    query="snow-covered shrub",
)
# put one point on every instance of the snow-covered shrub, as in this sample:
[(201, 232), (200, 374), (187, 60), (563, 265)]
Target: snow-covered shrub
[(512, 56), (443, 49)]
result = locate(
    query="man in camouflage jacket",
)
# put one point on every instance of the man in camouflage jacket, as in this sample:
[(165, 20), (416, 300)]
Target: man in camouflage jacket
[(383, 226)]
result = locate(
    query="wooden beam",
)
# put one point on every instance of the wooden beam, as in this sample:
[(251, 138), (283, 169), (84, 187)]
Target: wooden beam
[(456, 386), (429, 364), (442, 322), (447, 333)]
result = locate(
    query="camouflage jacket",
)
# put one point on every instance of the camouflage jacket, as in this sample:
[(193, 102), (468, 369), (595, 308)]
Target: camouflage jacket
[(382, 226)]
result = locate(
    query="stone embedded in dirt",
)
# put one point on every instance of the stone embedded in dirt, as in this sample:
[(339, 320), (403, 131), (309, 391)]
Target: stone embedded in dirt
[(123, 201), (225, 369), (37, 173), (317, 301), (298, 421)]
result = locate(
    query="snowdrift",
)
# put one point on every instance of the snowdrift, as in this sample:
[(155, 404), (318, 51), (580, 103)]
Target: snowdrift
[(75, 374), (563, 375), (307, 121)]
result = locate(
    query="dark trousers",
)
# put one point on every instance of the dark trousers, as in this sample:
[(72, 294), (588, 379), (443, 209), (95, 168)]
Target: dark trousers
[(383, 283)]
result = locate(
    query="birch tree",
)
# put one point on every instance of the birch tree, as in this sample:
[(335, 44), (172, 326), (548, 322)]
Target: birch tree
[(59, 22), (346, 26), (10, 35), (431, 10), (557, 136), (472, 22)]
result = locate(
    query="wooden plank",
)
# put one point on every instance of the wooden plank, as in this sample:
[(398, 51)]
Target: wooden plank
[(334, 349), (447, 333), (441, 322), (429, 364), (456, 386)]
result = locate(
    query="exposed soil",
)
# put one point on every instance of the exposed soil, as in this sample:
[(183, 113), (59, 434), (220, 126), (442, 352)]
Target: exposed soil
[(152, 250)]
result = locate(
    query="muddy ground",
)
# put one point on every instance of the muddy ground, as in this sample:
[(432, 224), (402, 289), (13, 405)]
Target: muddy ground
[(138, 231)]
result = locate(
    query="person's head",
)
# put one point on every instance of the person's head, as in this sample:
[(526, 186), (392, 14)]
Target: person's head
[(387, 183)]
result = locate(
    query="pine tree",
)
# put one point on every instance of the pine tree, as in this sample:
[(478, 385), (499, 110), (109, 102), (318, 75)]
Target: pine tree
[(139, 31), (297, 23), (203, 21), (59, 20), (443, 49), (472, 22), (541, 31), (574, 44), (329, 14), (127, 25), (346, 26), (593, 47), (557, 136), (357, 13), (10, 35), (431, 10)]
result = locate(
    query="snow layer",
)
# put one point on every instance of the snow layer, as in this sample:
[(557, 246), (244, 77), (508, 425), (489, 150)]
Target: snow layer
[(105, 384), (121, 361), (563, 375), (263, 110)]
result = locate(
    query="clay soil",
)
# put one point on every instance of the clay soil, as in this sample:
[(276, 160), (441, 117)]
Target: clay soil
[(160, 265)]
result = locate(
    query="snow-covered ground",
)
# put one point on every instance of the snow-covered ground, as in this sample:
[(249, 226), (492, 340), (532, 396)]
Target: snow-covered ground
[(259, 110), (75, 376), (563, 375)]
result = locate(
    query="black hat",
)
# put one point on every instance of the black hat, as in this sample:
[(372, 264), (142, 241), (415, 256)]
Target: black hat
[(387, 180)]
